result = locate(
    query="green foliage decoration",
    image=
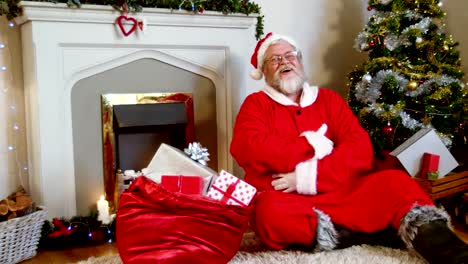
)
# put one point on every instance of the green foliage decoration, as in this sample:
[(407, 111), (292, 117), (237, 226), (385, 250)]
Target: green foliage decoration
[(413, 77), (11, 9)]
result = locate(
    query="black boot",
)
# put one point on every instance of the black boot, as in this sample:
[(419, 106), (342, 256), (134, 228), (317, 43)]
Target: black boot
[(438, 244), (387, 238)]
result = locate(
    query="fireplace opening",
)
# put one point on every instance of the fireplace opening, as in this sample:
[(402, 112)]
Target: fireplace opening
[(140, 129), (135, 125)]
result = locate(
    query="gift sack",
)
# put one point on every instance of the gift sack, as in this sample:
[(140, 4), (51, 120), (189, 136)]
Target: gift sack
[(155, 225)]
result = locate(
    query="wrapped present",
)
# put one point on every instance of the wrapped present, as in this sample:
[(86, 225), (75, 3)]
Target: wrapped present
[(430, 166), (229, 189), (410, 153), (169, 160), (183, 184)]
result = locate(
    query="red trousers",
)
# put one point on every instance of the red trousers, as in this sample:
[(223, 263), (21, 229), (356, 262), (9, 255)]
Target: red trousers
[(366, 204)]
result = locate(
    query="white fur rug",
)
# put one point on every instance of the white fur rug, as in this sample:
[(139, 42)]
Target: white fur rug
[(357, 254)]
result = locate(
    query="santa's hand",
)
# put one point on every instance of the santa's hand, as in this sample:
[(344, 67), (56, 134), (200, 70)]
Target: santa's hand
[(321, 144), (285, 182)]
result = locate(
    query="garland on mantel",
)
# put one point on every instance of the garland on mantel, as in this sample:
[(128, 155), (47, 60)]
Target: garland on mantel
[(11, 9)]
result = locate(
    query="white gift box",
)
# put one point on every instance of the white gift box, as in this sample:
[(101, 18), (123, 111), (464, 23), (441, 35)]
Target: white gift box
[(411, 152), (169, 160)]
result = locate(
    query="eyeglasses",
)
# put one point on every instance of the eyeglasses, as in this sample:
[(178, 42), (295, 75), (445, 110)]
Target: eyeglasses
[(290, 56)]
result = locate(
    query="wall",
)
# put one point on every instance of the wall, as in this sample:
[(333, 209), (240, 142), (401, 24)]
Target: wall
[(324, 29), (13, 164)]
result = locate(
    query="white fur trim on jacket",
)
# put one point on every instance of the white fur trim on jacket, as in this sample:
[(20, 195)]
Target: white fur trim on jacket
[(306, 177), (308, 97), (321, 144)]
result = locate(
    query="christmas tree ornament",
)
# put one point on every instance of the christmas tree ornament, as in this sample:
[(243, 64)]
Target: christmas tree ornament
[(369, 8), (419, 40), (371, 44), (412, 85), (367, 78), (388, 129)]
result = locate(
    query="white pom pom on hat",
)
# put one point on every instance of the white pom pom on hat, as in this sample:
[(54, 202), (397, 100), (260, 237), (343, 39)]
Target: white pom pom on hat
[(258, 57)]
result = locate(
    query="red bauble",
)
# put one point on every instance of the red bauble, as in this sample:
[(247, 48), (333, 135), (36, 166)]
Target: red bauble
[(388, 130), (369, 8), (371, 44)]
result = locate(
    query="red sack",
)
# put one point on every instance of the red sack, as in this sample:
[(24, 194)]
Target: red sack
[(154, 225)]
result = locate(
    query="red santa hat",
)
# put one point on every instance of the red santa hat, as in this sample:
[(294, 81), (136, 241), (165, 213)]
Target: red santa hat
[(258, 57)]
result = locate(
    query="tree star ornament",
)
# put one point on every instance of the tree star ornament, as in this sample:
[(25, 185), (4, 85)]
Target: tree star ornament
[(198, 153)]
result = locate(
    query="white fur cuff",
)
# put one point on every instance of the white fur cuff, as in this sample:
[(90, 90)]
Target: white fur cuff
[(306, 177), (321, 144)]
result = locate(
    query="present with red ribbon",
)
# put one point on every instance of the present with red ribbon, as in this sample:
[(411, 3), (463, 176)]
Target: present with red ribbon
[(229, 189), (183, 184), (430, 166)]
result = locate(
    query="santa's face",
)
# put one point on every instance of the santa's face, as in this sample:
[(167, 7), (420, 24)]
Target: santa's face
[(283, 68)]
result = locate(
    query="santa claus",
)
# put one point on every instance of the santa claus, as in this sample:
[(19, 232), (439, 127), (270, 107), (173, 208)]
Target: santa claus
[(305, 151)]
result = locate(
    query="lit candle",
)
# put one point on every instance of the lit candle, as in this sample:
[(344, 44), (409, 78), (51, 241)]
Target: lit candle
[(103, 210)]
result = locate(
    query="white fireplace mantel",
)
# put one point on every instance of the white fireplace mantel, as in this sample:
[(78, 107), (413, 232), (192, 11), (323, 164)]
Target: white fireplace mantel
[(63, 45)]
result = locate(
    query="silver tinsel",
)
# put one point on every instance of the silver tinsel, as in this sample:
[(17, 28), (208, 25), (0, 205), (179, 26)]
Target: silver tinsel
[(392, 42), (409, 122), (369, 92), (198, 153), (443, 80), (446, 139), (422, 26), (385, 2), (361, 42)]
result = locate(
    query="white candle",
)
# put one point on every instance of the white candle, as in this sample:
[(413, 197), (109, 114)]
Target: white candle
[(103, 210)]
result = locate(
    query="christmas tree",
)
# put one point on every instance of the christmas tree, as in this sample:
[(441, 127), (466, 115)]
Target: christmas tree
[(413, 77)]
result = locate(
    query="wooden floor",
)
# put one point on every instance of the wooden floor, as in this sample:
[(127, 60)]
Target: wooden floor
[(73, 255)]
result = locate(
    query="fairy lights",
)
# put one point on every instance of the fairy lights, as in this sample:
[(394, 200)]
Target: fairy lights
[(13, 129)]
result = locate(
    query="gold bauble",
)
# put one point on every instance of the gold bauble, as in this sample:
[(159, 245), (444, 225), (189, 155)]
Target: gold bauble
[(412, 85)]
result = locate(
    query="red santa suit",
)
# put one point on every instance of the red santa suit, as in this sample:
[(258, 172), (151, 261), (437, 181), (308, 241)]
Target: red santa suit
[(273, 134)]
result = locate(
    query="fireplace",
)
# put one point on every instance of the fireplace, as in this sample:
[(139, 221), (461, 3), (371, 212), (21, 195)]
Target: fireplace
[(73, 56), (135, 125)]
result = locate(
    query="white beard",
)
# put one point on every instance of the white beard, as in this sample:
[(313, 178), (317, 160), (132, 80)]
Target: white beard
[(290, 86)]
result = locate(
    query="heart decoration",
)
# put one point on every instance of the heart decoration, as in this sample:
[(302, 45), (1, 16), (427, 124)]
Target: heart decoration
[(128, 20)]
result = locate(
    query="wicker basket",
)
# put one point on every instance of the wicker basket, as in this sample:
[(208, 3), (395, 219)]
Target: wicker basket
[(20, 236)]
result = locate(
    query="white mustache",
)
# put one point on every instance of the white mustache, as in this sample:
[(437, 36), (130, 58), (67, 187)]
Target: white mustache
[(286, 67)]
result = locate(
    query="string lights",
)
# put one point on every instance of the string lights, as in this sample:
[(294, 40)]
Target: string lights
[(13, 129)]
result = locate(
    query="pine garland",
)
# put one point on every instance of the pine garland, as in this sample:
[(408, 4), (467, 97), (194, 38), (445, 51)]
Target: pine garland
[(10, 8)]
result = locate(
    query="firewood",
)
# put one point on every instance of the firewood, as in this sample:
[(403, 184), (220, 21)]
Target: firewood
[(19, 191), (11, 205), (11, 215), (23, 202), (3, 209)]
